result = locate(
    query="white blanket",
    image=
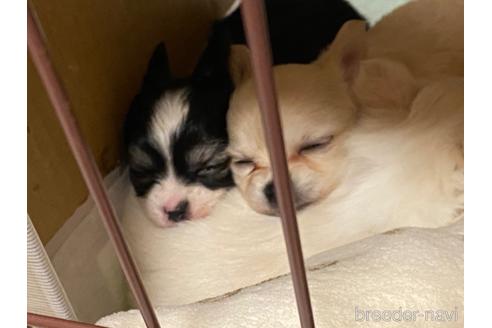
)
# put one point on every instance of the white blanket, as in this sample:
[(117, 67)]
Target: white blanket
[(405, 277)]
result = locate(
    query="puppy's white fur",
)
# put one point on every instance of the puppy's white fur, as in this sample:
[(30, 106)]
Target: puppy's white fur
[(403, 168)]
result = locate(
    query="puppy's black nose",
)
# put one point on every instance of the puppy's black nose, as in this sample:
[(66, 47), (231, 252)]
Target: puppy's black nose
[(180, 212), (269, 192)]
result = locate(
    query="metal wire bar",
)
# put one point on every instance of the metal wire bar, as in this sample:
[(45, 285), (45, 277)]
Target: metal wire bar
[(254, 20), (45, 321), (87, 166)]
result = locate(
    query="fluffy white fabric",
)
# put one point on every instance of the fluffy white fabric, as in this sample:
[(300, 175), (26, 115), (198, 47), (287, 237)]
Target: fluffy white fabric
[(397, 273)]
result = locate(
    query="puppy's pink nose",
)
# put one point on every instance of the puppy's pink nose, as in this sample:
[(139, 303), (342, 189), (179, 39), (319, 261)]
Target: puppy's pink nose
[(172, 202), (179, 212)]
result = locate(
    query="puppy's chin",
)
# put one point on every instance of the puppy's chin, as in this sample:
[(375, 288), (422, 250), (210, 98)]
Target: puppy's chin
[(308, 187), (301, 198), (264, 208), (161, 220), (255, 200), (200, 201)]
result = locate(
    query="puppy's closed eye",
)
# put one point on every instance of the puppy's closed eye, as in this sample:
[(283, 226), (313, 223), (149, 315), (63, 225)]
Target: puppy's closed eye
[(211, 169), (312, 146), (243, 166)]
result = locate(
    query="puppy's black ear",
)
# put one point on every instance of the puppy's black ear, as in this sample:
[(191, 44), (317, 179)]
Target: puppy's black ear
[(154, 83), (240, 64), (158, 72), (213, 64)]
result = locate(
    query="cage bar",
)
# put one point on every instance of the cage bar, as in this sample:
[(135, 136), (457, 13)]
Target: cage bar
[(87, 166), (44, 321), (254, 20)]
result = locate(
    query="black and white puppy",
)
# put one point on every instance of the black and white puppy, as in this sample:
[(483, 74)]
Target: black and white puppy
[(175, 133)]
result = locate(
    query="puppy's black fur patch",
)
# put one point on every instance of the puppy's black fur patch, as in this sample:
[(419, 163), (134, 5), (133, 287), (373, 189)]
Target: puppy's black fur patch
[(210, 88), (299, 29)]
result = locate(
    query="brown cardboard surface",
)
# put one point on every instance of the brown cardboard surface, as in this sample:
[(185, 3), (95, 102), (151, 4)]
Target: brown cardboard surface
[(100, 50)]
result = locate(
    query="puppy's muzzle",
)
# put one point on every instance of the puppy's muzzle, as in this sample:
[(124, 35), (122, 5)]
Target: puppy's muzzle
[(179, 213)]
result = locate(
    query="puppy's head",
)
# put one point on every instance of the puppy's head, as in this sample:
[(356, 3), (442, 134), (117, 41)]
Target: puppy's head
[(318, 109), (175, 137)]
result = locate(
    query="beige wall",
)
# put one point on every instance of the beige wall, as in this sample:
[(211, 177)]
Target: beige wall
[(100, 50)]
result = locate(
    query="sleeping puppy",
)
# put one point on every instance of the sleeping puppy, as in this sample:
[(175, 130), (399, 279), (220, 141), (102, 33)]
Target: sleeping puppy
[(175, 131), (312, 134), (323, 122), (393, 159), (319, 109)]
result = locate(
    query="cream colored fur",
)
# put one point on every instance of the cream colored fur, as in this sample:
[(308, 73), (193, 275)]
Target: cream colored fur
[(402, 166), (425, 35), (376, 73)]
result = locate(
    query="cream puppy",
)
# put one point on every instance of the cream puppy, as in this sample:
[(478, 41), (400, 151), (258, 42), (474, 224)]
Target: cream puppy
[(323, 102), (312, 137), (392, 144)]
